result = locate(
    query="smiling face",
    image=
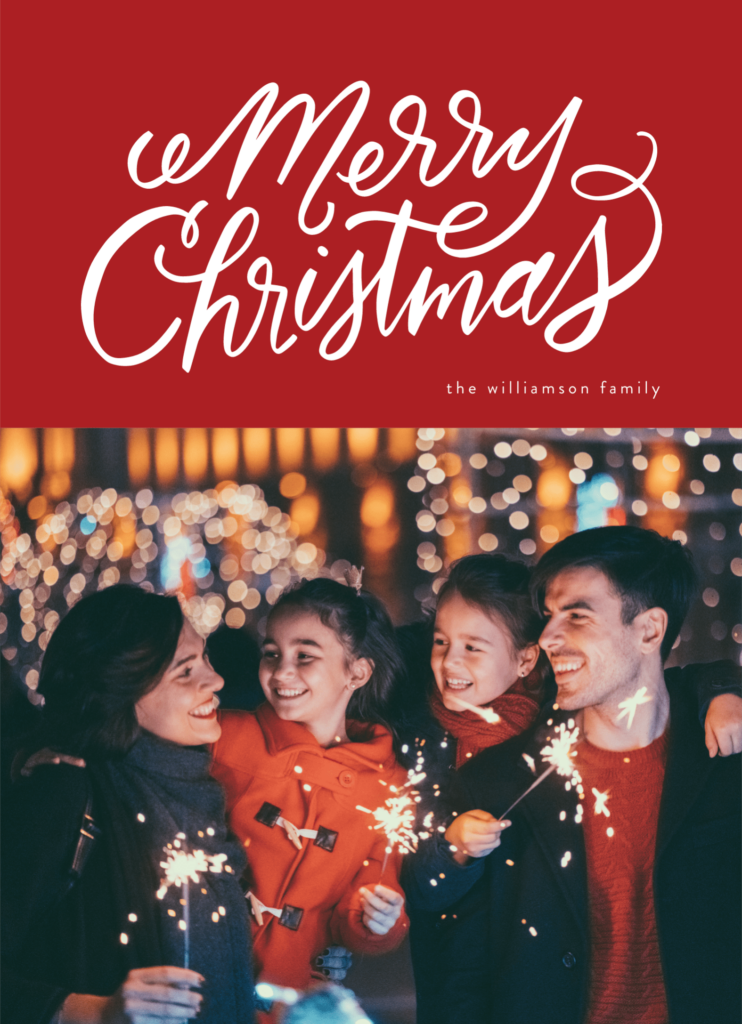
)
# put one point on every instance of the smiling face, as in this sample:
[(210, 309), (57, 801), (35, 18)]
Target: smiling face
[(473, 657), (307, 675), (597, 658), (182, 707)]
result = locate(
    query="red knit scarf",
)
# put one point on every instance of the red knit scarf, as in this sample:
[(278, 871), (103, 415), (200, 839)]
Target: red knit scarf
[(517, 710)]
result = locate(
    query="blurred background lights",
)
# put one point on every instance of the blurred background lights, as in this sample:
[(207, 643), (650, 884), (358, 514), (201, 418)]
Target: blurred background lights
[(594, 500), (292, 485), (169, 508)]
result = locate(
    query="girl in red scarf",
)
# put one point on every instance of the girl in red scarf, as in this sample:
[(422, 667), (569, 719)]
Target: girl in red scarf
[(490, 681)]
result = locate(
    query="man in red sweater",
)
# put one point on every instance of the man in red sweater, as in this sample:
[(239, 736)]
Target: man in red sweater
[(614, 897), (609, 671)]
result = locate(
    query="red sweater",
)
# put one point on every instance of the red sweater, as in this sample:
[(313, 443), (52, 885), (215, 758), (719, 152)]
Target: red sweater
[(626, 982)]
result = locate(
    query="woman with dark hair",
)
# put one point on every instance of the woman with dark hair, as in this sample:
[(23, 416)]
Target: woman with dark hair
[(92, 927), (300, 770)]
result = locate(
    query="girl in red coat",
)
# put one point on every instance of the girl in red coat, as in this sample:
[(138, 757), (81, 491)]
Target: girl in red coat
[(297, 771)]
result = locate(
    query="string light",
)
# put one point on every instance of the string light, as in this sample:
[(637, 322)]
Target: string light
[(225, 550)]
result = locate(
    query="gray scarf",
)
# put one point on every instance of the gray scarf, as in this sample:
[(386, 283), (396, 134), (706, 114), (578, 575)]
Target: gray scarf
[(177, 807)]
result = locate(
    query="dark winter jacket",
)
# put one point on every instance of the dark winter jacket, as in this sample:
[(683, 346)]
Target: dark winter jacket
[(62, 933), (59, 938), (495, 971)]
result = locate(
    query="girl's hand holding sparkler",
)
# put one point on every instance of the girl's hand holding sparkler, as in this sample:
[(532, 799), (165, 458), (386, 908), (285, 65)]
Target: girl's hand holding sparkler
[(148, 995), (381, 908), (474, 834)]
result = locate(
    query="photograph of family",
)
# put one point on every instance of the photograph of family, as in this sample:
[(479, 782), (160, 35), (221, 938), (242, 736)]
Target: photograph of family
[(371, 725)]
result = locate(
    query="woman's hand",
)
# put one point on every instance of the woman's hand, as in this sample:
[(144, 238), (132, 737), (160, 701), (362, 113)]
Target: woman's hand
[(474, 834), (724, 725), (48, 756), (381, 908), (147, 996)]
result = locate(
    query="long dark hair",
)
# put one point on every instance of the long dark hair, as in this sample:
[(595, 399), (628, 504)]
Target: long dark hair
[(363, 626), (499, 586), (107, 652)]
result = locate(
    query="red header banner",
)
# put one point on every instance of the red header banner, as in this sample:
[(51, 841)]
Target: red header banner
[(324, 213)]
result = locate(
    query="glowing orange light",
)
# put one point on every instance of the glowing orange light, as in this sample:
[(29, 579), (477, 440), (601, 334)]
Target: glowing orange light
[(305, 512), (362, 443), (401, 443), (377, 506), (138, 455), (663, 473), (325, 446), (18, 459), (450, 463), (224, 452), (290, 447), (195, 454), (256, 447), (554, 488), (166, 455), (292, 485)]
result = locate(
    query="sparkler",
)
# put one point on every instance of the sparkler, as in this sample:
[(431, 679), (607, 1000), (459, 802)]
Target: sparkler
[(558, 753), (396, 817), (486, 713), (533, 785), (600, 803), (631, 704), (180, 869)]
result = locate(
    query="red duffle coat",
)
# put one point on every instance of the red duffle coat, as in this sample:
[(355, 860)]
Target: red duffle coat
[(270, 767)]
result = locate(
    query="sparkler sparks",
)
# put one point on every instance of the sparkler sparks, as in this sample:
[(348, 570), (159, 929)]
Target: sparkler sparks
[(487, 714), (631, 704), (559, 751), (530, 762), (396, 817), (180, 868), (600, 803), (558, 754)]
